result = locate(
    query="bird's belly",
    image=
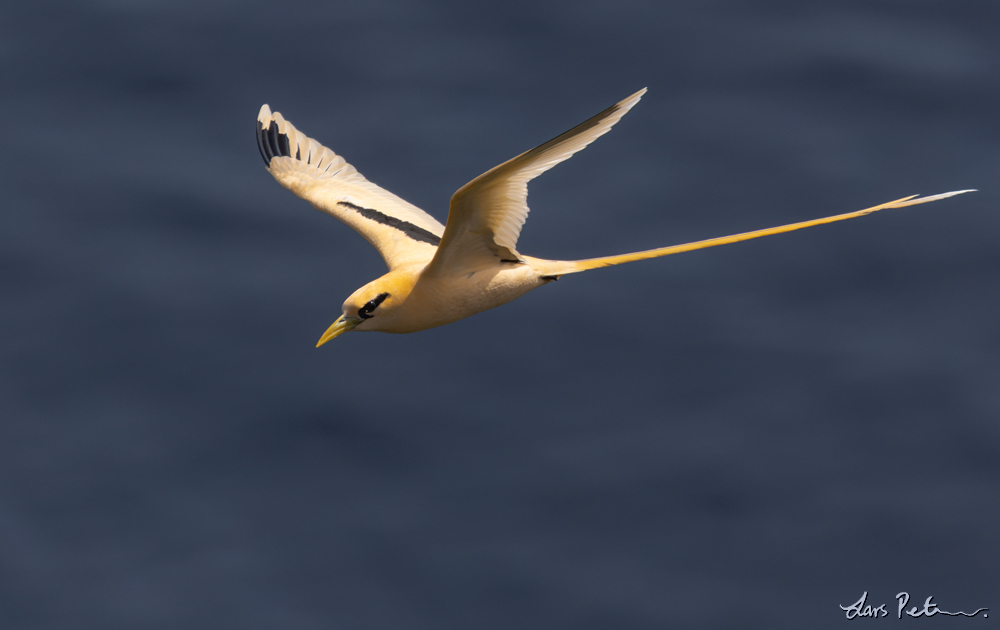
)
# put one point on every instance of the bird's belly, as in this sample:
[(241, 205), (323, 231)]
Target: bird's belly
[(439, 301)]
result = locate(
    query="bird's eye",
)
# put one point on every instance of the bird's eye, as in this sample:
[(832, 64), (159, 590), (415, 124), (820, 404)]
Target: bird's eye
[(366, 311)]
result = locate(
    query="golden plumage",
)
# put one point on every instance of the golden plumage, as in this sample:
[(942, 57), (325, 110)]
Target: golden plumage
[(440, 274)]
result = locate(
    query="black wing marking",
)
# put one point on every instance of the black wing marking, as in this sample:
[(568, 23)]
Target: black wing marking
[(272, 142), (415, 232)]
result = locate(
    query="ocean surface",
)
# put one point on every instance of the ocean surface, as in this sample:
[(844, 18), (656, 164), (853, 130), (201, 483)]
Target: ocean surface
[(750, 436)]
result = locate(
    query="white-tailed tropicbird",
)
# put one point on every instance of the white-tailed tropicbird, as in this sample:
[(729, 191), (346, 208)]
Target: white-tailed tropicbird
[(439, 274)]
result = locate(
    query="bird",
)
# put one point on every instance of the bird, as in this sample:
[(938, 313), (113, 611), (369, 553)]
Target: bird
[(439, 274)]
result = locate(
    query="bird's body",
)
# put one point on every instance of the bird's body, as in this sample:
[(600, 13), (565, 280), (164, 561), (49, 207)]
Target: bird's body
[(440, 274), (420, 301)]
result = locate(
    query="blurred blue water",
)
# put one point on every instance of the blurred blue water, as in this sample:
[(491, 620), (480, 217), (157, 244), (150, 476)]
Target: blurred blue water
[(742, 437)]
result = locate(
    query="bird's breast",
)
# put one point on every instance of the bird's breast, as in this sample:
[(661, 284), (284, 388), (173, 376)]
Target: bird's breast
[(437, 301)]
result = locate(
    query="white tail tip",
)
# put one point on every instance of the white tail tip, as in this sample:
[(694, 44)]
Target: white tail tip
[(916, 200)]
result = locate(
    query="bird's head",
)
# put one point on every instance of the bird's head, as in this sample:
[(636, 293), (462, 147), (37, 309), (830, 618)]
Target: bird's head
[(372, 305)]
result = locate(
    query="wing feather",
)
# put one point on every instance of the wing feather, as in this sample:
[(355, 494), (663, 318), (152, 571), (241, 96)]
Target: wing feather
[(486, 215), (401, 232)]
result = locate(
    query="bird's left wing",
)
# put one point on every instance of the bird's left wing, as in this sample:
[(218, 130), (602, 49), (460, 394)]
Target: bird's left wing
[(403, 233), (486, 215)]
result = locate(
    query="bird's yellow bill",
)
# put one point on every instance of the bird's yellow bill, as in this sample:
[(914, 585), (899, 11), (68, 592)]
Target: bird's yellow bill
[(339, 327)]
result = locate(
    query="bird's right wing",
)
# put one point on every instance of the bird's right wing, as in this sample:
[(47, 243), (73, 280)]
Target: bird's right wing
[(486, 215), (403, 233)]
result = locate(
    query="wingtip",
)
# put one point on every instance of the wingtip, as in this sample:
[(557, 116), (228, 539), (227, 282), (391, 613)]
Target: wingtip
[(632, 100), (269, 141)]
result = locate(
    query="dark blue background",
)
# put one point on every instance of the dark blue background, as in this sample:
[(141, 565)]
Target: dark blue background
[(748, 436)]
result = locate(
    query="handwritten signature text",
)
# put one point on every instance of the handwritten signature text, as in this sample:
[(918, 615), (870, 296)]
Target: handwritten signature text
[(862, 609)]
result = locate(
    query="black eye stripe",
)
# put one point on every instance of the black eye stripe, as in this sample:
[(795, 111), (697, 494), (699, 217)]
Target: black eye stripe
[(366, 311)]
